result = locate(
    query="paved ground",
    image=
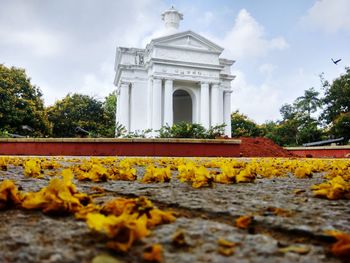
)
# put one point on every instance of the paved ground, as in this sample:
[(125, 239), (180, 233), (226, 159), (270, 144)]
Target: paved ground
[(204, 216)]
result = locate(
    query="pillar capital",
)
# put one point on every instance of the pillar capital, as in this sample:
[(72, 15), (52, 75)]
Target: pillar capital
[(156, 77), (124, 84), (227, 91)]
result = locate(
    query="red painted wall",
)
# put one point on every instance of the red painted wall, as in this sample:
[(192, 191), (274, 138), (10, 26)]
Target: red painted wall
[(120, 148), (322, 153)]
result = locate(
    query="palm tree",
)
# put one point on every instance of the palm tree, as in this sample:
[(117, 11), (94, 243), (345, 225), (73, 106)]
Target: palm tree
[(309, 102)]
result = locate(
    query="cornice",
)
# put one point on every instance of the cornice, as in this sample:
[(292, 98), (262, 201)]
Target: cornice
[(185, 64), (186, 48)]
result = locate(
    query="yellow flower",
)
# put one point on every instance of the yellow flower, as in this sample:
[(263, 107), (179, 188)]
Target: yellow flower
[(336, 188), (59, 196), (199, 176), (304, 171), (32, 168), (123, 229), (246, 175), (9, 194), (202, 178), (156, 175), (342, 247), (124, 171), (154, 253), (3, 163), (244, 221), (228, 174)]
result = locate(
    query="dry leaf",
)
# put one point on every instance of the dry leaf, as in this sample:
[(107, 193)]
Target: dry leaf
[(244, 221), (341, 248), (9, 194), (226, 251), (299, 249), (154, 253), (178, 239)]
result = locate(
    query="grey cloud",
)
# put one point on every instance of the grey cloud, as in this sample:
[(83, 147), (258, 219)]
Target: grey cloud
[(64, 43)]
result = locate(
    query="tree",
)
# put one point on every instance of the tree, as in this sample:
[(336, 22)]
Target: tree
[(309, 103), (283, 133), (74, 111), (109, 109), (341, 126), (21, 104), (242, 126), (337, 105), (297, 125), (337, 97), (287, 111)]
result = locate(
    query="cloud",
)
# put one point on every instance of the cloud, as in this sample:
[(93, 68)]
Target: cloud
[(247, 38), (259, 102), (267, 69), (37, 41), (70, 46), (206, 19), (330, 16)]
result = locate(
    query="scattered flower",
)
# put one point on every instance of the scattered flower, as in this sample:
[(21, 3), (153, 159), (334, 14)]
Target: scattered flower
[(154, 253), (244, 222), (59, 196), (336, 188), (9, 194), (341, 248)]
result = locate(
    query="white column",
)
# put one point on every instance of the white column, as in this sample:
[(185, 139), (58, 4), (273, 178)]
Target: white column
[(227, 112), (168, 102), (124, 105), (149, 103), (215, 120), (204, 114), (117, 113), (221, 106), (157, 104), (117, 106)]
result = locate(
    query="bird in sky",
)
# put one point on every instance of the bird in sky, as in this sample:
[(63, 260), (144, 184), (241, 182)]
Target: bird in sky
[(336, 61)]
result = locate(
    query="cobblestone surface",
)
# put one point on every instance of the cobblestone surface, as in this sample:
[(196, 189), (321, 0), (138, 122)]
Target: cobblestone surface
[(205, 215)]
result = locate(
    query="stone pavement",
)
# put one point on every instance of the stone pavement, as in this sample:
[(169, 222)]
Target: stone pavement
[(293, 233)]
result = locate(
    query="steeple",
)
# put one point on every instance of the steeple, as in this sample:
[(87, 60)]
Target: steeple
[(172, 18)]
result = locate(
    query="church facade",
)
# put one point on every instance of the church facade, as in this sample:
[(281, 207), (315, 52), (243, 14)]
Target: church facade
[(177, 77)]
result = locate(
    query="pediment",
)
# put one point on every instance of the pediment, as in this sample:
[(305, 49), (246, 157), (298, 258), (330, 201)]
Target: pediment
[(188, 40)]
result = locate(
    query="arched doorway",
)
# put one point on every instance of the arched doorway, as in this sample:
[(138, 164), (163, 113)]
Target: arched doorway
[(182, 106)]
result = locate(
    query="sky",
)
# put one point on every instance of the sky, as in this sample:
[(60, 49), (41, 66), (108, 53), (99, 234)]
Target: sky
[(280, 46)]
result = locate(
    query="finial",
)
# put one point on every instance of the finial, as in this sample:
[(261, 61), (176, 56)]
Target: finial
[(172, 18)]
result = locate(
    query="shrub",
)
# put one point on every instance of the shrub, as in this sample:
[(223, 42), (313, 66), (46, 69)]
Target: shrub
[(189, 130)]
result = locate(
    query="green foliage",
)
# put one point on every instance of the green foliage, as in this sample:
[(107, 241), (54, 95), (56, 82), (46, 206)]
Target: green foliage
[(137, 134), (283, 133), (337, 105), (21, 104), (297, 126), (309, 103), (243, 127), (189, 130), (337, 97), (341, 126), (120, 130), (109, 109), (287, 111), (215, 131), (4, 134), (74, 111)]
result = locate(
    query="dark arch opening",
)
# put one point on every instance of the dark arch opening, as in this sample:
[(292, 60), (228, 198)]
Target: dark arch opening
[(182, 106)]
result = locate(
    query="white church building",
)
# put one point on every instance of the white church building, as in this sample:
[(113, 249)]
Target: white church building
[(177, 77)]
